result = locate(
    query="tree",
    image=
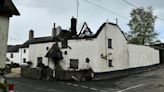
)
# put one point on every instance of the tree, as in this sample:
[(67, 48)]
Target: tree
[(142, 26)]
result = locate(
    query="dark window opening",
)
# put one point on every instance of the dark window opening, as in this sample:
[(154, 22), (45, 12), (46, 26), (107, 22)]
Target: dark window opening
[(64, 44), (74, 63), (87, 60), (24, 50), (47, 48), (65, 52), (39, 64), (110, 63), (24, 60), (11, 55), (109, 43)]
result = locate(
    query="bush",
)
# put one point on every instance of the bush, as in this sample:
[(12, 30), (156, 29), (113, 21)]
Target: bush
[(14, 65)]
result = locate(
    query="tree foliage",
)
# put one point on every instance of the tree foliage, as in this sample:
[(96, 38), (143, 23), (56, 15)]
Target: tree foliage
[(142, 26)]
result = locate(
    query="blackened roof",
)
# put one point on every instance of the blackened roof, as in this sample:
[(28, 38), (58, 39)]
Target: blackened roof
[(38, 40), (65, 34), (13, 48), (7, 7)]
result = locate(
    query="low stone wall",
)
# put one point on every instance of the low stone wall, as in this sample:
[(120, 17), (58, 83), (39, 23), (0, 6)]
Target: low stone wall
[(28, 72), (37, 73)]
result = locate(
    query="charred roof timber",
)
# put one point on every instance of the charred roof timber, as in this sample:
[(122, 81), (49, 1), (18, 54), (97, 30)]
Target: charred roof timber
[(73, 26)]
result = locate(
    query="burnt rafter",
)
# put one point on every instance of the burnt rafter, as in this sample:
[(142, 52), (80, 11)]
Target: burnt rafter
[(85, 31)]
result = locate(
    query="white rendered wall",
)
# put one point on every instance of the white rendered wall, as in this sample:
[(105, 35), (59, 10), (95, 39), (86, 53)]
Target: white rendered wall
[(80, 49), (4, 25), (93, 48), (123, 56), (140, 56), (118, 53), (24, 55), (16, 57), (89, 48), (39, 50)]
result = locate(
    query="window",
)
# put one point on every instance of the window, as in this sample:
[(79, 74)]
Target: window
[(64, 44), (24, 50), (65, 52), (39, 60), (109, 43), (24, 60), (11, 55), (47, 48), (74, 63), (110, 63), (87, 60)]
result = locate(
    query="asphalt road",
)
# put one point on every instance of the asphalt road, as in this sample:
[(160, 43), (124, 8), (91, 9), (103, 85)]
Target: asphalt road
[(152, 81)]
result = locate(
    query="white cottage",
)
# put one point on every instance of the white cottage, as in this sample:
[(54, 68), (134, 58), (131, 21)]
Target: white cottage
[(13, 54), (104, 52)]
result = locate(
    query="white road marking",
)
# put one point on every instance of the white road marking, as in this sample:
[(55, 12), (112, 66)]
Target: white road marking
[(131, 88), (93, 89), (69, 83), (75, 85), (84, 86), (103, 91)]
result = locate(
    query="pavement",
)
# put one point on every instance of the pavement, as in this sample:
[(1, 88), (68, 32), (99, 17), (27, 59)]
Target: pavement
[(151, 81), (15, 73)]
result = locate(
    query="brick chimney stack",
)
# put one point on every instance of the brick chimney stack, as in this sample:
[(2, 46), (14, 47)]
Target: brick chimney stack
[(54, 34), (73, 26), (31, 34)]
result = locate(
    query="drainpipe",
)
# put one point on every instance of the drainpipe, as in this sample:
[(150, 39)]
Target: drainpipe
[(106, 41), (21, 55)]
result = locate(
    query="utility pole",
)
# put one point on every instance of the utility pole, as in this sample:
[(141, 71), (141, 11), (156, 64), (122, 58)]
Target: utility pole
[(116, 21), (77, 11)]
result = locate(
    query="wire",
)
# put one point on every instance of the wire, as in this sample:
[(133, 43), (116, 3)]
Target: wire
[(105, 9), (137, 7), (130, 4)]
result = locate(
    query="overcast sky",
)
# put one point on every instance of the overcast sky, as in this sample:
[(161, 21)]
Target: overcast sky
[(40, 15)]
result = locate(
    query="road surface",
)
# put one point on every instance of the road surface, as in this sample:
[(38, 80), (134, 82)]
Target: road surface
[(152, 81)]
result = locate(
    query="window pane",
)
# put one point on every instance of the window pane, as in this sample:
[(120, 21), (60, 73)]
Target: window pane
[(74, 63), (39, 60), (64, 44), (11, 56), (24, 51), (24, 60), (110, 63), (109, 43)]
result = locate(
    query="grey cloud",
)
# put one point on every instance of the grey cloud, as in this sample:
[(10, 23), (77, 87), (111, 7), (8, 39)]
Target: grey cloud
[(41, 14)]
